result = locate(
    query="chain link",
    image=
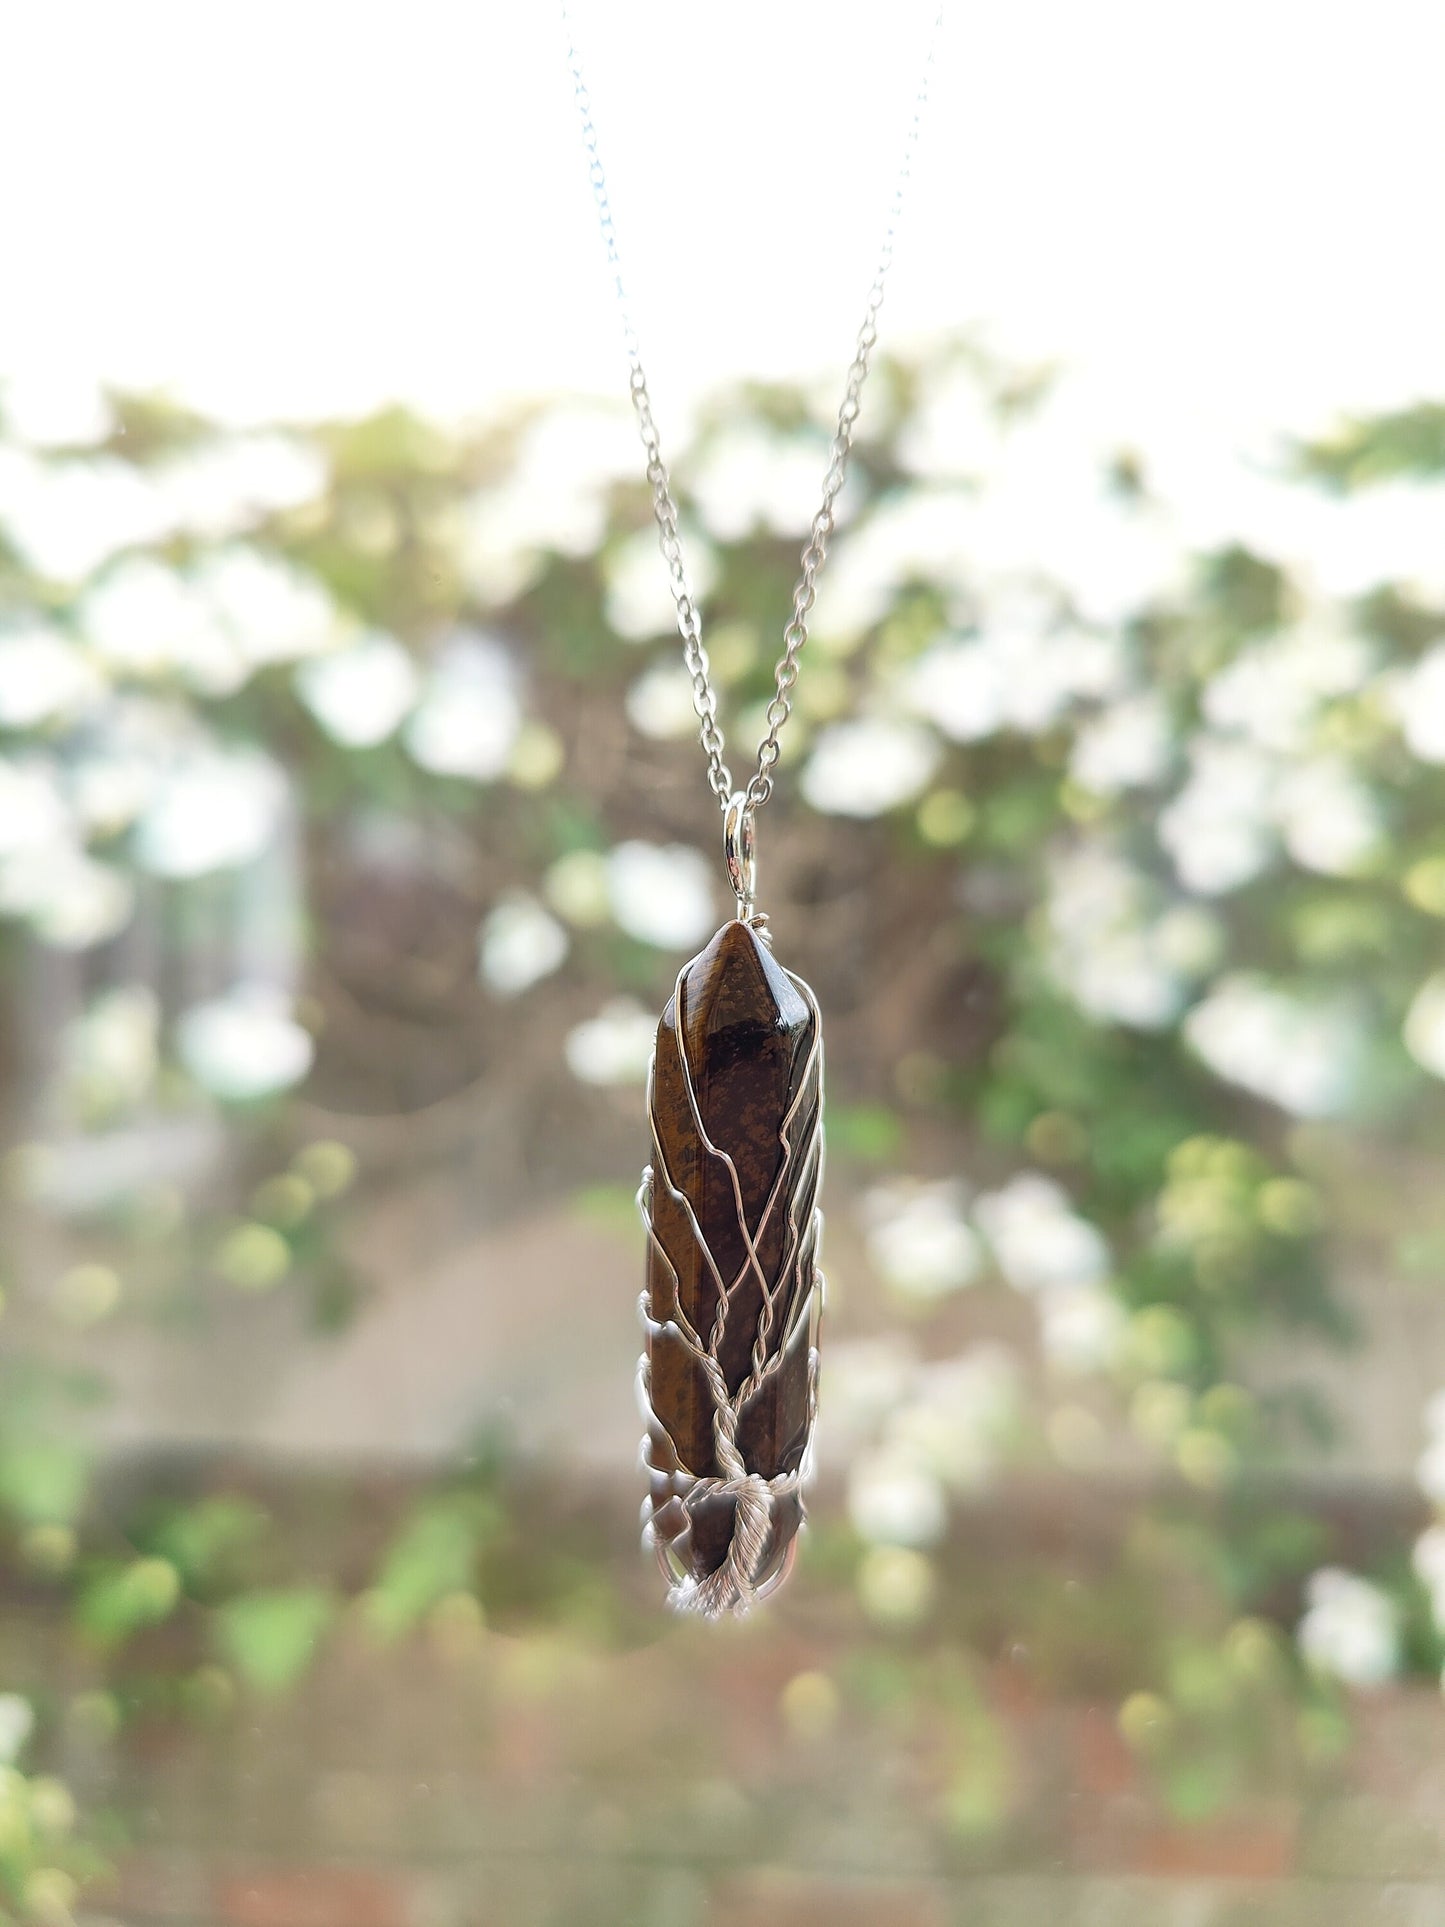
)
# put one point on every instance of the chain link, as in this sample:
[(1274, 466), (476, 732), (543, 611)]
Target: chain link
[(664, 505)]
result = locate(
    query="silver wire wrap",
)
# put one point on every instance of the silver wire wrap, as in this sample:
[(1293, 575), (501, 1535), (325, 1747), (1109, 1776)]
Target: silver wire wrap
[(758, 1560), (689, 622)]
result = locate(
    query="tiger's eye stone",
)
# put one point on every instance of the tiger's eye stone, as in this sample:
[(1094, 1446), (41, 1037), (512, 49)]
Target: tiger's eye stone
[(736, 1090)]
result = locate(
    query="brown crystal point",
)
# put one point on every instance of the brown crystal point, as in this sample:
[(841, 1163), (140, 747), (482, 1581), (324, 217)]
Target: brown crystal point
[(735, 1103)]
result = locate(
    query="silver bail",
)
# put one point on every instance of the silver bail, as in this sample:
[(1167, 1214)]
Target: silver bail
[(740, 851)]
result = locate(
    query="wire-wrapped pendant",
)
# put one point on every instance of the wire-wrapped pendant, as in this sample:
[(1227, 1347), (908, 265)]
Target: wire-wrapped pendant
[(734, 1294)]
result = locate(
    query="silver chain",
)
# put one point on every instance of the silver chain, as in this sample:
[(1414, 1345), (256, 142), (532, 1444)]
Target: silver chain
[(664, 507)]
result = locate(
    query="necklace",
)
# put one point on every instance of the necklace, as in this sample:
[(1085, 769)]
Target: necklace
[(734, 1293)]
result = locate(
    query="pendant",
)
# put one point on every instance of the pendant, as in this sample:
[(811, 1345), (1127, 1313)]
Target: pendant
[(728, 1381)]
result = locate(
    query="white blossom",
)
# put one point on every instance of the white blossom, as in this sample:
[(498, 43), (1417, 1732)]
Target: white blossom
[(867, 767), (67, 518), (638, 602), (554, 498), (1429, 1562), (1389, 533), (502, 544), (1122, 953), (33, 812), (521, 944), (226, 486), (918, 1238), (1081, 1326), (1016, 675), (1051, 507), (17, 1723), (613, 1047), (272, 610), (1420, 704), (1219, 828), (144, 619), (661, 893), (42, 676), (212, 809), (961, 687), (111, 774), (1330, 821), (918, 535), (359, 694), (1039, 1240), (1122, 979), (916, 1430), (950, 1415), (865, 1379), (1342, 545), (1430, 1470), (1425, 1025), (893, 1500), (1350, 1629), (953, 429), (245, 1045), (69, 898), (108, 792), (1272, 691), (958, 1414), (1305, 1057), (752, 477), (1128, 745), (469, 715), (659, 703)]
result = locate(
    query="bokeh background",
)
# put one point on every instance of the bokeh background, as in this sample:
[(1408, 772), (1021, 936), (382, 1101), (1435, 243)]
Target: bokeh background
[(352, 831)]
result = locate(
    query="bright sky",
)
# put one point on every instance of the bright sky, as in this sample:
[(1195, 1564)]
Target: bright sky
[(1232, 213)]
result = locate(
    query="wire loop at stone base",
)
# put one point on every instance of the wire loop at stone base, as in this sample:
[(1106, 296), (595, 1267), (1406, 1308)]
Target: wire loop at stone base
[(768, 1515)]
